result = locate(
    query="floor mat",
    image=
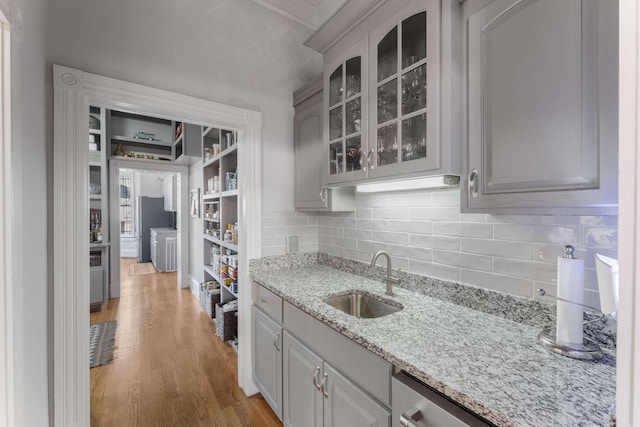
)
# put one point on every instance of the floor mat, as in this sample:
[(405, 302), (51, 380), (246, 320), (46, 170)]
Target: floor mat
[(102, 339), (142, 268)]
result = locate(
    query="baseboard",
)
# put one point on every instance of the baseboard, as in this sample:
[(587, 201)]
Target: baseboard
[(194, 286)]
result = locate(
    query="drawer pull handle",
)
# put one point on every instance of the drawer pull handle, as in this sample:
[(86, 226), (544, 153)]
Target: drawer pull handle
[(277, 341), (315, 378), (323, 384), (473, 183), (408, 419)]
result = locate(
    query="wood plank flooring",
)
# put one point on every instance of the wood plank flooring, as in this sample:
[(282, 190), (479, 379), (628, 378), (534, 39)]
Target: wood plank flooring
[(170, 369)]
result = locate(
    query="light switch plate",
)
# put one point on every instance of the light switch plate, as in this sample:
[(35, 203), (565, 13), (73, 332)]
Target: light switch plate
[(292, 244)]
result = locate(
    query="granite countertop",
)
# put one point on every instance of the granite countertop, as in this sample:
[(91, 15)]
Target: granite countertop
[(491, 365), (99, 245)]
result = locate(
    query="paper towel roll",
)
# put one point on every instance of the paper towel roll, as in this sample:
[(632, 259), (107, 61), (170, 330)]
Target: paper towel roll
[(569, 328)]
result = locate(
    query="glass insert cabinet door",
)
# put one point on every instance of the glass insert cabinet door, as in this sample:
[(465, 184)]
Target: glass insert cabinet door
[(346, 119), (404, 95)]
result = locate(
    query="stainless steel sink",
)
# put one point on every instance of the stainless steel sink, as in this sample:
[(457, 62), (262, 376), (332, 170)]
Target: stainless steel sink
[(359, 304)]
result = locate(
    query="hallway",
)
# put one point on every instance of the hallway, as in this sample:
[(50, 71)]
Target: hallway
[(170, 369)]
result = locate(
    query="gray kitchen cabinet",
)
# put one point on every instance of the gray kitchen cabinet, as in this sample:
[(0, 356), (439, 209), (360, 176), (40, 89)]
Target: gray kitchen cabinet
[(267, 358), (164, 248), (316, 394), (423, 407), (541, 87), (392, 100), (308, 148), (187, 147)]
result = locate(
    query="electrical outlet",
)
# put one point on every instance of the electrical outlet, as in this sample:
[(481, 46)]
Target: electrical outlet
[(292, 244)]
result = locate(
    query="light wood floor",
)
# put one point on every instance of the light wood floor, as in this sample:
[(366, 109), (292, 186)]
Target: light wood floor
[(170, 369)]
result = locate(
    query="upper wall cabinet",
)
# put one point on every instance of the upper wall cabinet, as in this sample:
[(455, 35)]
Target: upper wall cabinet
[(309, 149), (541, 83), (388, 88)]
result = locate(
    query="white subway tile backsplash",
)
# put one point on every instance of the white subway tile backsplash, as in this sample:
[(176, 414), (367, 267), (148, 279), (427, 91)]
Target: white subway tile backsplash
[(364, 213), (436, 270), (458, 259), (403, 251), (372, 247), (463, 229), (425, 233), (391, 213), (330, 231), (556, 234), (435, 213), (411, 226), (435, 242), (525, 269), (410, 199), (372, 200), (373, 224), (497, 282), (343, 243), (358, 234), (446, 198), (601, 237), (389, 237), (497, 248)]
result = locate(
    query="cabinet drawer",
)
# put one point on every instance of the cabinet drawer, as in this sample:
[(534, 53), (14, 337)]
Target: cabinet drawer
[(369, 371), (269, 302)]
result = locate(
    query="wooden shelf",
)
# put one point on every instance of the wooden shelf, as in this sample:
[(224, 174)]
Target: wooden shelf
[(230, 193), (94, 131), (216, 158), (95, 196), (227, 245), (211, 196)]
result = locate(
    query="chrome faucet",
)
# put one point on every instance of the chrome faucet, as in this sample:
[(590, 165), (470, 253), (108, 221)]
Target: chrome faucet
[(389, 279)]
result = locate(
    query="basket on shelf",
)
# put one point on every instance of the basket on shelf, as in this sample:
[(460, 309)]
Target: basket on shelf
[(226, 323), (212, 297)]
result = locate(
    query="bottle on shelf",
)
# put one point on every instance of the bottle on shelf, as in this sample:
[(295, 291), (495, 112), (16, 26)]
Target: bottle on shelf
[(228, 233)]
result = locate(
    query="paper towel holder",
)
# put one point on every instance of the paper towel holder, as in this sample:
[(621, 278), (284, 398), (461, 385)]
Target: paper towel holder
[(589, 350)]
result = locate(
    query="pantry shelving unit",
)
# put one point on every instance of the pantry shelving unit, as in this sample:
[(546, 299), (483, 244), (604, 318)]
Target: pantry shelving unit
[(220, 210), (98, 208)]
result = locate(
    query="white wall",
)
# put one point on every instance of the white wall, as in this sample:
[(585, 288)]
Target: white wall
[(230, 51), (31, 162), (148, 184)]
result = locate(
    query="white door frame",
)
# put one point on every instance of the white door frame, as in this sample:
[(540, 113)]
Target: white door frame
[(628, 363), (74, 91), (114, 220), (7, 366)]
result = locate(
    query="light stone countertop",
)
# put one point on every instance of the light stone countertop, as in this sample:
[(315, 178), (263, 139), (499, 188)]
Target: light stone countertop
[(491, 365)]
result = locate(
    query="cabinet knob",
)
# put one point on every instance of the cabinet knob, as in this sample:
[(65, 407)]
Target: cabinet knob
[(408, 419)]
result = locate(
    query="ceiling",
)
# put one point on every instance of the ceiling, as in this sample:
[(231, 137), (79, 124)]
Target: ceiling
[(310, 13)]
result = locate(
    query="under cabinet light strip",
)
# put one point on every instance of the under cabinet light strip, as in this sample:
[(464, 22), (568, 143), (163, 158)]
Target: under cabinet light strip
[(443, 181)]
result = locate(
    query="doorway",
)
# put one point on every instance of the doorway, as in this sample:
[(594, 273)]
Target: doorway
[(74, 92)]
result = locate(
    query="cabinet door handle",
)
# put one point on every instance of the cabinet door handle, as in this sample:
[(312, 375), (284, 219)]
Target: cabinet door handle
[(407, 419), (473, 183), (315, 378), (323, 384), (362, 166), (321, 195), (277, 341), (371, 166)]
